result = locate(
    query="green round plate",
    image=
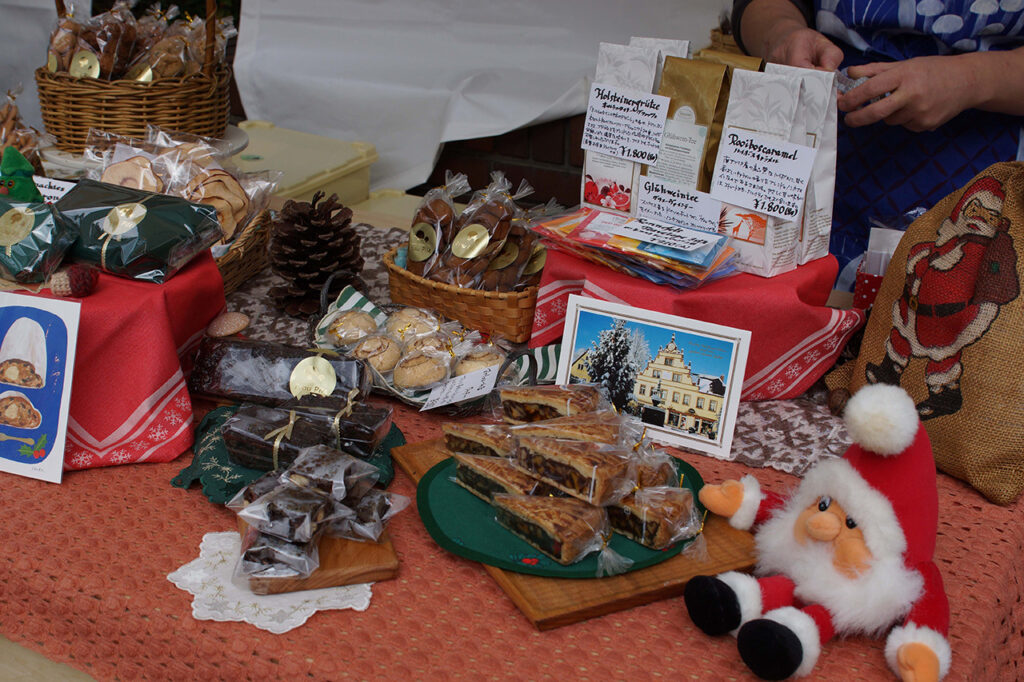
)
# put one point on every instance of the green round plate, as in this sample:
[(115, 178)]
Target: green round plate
[(463, 524)]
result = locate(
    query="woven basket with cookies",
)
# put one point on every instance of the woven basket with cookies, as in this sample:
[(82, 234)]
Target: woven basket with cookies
[(116, 73)]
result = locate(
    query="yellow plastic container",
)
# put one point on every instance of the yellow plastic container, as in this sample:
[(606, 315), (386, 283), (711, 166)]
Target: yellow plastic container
[(310, 163)]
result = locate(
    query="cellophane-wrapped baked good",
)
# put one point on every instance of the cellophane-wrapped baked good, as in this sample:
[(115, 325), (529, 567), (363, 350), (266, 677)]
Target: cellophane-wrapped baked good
[(290, 512), (599, 426), (433, 224), (135, 233), (593, 472), (332, 472), (486, 476), (526, 404), (563, 528), (656, 517), (32, 241), (369, 517), (260, 437), (243, 370), (268, 556)]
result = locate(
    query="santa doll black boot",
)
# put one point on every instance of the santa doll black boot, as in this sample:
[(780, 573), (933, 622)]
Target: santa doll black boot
[(712, 605), (771, 650), (887, 371), (941, 400)]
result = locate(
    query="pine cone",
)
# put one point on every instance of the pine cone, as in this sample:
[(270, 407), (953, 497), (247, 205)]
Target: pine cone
[(309, 242)]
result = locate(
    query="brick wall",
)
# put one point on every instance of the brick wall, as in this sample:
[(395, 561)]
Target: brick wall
[(547, 155)]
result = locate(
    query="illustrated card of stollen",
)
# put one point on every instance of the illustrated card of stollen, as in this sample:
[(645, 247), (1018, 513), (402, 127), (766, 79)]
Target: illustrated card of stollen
[(37, 357), (682, 377)]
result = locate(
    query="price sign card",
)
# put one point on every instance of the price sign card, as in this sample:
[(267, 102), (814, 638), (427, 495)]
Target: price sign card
[(666, 234), (670, 202), (628, 124), (465, 387), (762, 173), (52, 189)]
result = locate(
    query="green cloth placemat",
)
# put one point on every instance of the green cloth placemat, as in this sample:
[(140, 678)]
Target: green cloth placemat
[(221, 478), (463, 524)]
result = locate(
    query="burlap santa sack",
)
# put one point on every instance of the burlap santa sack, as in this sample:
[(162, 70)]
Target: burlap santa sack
[(948, 326)]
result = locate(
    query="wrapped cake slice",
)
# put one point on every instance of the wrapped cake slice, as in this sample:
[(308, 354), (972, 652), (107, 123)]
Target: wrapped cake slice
[(656, 517), (592, 472), (563, 528), (492, 440), (604, 426), (525, 404), (486, 476)]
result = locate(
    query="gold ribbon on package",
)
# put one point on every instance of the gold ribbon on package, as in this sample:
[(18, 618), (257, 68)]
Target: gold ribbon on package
[(343, 412), (120, 220), (282, 433)]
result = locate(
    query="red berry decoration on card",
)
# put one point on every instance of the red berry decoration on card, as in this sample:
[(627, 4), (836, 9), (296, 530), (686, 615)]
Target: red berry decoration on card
[(76, 281)]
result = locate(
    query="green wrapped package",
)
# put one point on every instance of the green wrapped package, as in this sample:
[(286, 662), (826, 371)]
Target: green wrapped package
[(32, 241), (134, 233)]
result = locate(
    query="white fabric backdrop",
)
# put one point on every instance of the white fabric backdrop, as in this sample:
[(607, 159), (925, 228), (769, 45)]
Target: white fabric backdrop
[(407, 75)]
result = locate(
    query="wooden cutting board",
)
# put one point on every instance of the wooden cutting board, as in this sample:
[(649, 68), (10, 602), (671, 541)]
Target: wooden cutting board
[(552, 602), (342, 562)]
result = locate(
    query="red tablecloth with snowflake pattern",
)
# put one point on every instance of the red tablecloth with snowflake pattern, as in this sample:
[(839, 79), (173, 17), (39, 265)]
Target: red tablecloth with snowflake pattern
[(129, 402), (795, 337)]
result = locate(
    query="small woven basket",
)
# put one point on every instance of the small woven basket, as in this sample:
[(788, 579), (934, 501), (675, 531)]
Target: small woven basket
[(508, 315), (197, 104), (247, 255)]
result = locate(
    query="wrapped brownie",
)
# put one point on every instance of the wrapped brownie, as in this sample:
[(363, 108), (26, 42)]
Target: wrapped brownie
[(356, 430), (242, 370), (291, 512), (266, 438), (268, 556), (255, 490), (135, 233), (369, 516), (332, 472)]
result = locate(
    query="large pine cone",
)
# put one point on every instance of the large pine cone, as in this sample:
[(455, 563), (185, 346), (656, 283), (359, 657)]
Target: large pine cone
[(309, 242)]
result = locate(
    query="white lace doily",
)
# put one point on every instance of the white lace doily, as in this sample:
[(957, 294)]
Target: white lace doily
[(216, 597)]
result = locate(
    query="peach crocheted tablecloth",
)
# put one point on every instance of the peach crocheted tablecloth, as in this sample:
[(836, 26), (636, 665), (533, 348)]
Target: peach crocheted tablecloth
[(83, 581)]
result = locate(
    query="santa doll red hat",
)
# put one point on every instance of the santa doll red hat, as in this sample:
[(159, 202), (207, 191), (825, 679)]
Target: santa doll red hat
[(849, 552)]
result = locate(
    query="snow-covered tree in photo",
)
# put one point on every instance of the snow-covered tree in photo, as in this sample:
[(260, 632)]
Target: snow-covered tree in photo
[(611, 363), (639, 350)]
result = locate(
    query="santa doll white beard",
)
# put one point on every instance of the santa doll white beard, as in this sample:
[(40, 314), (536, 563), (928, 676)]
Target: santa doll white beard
[(870, 603)]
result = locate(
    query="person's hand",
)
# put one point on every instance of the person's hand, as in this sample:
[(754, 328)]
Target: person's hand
[(798, 45), (923, 93)]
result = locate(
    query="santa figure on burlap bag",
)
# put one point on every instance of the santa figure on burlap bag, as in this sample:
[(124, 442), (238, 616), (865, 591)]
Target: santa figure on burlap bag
[(849, 552), (953, 291)]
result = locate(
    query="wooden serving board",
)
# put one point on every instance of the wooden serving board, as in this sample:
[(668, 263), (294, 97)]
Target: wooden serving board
[(552, 602), (342, 562)]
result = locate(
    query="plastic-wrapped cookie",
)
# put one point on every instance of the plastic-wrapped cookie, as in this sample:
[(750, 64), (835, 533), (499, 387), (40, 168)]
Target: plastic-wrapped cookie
[(478, 358), (408, 322), (420, 370), (382, 352), (437, 341), (350, 326)]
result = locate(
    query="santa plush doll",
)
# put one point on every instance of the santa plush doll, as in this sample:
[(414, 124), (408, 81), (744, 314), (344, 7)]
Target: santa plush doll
[(850, 552)]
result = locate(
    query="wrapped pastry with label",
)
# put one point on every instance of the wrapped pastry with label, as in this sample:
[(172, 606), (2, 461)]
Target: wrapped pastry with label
[(290, 512), (482, 229), (354, 429), (433, 224), (369, 516), (592, 472), (133, 233), (63, 44), (656, 517), (268, 556), (243, 370), (505, 269), (563, 528), (32, 242), (524, 404), (331, 472), (105, 44)]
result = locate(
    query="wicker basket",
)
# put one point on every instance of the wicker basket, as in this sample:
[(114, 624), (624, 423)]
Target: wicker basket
[(508, 315), (196, 104), (247, 255)]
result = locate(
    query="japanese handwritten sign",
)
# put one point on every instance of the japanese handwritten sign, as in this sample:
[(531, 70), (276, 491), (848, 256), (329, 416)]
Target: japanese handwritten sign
[(672, 203), (465, 387), (665, 234), (762, 173), (628, 124)]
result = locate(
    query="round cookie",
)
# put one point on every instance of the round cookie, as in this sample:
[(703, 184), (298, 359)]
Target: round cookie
[(408, 322), (381, 352), (350, 326), (419, 370), (478, 359)]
